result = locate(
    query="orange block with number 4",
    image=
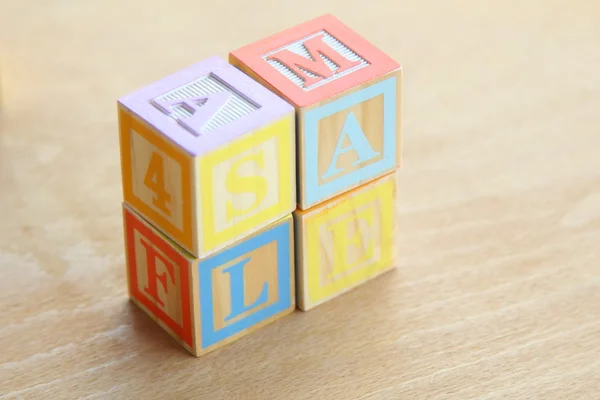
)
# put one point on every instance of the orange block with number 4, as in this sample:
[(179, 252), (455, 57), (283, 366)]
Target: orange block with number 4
[(207, 155)]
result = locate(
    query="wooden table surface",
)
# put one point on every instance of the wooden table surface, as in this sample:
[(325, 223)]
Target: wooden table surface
[(497, 290)]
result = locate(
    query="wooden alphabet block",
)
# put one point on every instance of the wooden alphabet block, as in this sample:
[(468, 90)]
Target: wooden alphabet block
[(209, 302), (347, 96), (345, 241), (208, 155)]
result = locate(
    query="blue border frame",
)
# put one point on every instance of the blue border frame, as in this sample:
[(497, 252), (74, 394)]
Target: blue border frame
[(315, 192), (281, 235)]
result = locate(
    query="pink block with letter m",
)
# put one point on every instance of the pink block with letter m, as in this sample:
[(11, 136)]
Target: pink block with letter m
[(347, 95)]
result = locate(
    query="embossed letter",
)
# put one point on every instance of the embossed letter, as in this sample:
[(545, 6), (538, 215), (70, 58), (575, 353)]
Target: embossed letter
[(201, 115), (316, 47)]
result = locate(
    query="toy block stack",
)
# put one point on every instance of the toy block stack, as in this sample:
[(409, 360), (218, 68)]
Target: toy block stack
[(347, 97), (260, 184), (208, 170)]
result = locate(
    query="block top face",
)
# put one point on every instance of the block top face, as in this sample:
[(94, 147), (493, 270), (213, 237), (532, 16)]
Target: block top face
[(315, 60), (205, 105)]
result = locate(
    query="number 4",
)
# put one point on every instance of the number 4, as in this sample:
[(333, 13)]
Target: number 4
[(155, 181)]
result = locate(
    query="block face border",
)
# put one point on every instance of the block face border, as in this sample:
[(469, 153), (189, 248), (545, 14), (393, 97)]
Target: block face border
[(282, 234), (127, 122), (286, 148), (313, 193), (271, 106), (250, 56), (311, 293), (185, 331)]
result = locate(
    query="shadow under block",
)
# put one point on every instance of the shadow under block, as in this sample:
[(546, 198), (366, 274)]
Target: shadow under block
[(347, 95), (207, 303), (345, 242), (207, 155)]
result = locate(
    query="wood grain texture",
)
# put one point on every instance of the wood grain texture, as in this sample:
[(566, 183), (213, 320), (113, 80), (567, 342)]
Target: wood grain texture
[(231, 175), (247, 184), (274, 60), (158, 181), (349, 113), (341, 155), (208, 303), (208, 202), (345, 242), (497, 291)]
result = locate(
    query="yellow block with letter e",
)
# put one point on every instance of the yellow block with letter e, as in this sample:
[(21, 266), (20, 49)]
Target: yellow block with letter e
[(345, 242)]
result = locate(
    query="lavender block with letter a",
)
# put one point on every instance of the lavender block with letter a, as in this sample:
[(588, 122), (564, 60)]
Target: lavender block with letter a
[(207, 155)]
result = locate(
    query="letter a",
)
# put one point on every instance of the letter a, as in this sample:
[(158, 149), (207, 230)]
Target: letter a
[(201, 115), (358, 143), (236, 276)]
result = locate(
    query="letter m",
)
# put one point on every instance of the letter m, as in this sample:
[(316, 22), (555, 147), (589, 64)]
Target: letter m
[(316, 47)]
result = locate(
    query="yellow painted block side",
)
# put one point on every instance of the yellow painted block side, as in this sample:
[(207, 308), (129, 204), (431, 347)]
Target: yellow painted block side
[(247, 184), (346, 243)]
